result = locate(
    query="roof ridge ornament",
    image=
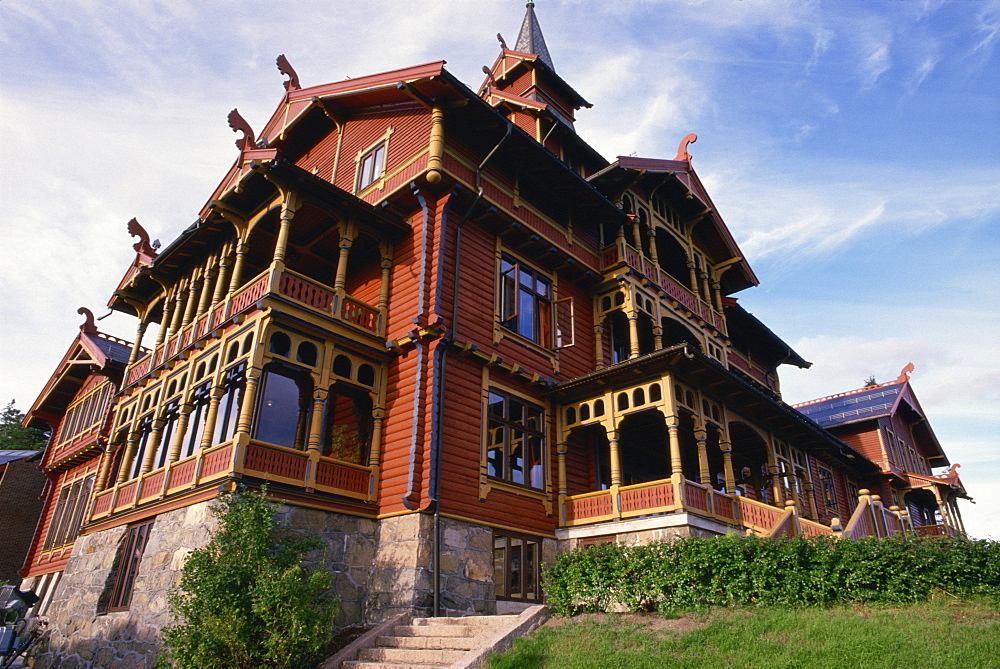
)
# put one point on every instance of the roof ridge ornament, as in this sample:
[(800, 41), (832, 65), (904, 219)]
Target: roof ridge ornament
[(682, 148), (142, 247), (89, 326), (284, 67), (904, 374), (238, 123)]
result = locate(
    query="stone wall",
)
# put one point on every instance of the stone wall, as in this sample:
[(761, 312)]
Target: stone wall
[(402, 579), (78, 636)]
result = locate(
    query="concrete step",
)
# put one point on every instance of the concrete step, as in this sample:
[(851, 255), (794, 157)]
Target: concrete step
[(412, 655), (359, 664), (433, 630), (491, 621), (433, 642)]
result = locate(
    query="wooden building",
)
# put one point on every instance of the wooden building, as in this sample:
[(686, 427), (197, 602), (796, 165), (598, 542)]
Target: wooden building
[(450, 337)]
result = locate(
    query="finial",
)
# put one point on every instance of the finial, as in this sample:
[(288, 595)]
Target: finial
[(88, 326), (503, 42), (529, 4), (238, 123), (904, 374), (284, 67), (682, 149)]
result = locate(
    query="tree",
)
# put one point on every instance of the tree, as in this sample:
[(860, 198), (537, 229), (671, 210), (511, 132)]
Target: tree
[(13, 437), (245, 600)]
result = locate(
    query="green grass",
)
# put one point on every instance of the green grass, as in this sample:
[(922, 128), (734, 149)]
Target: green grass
[(940, 633)]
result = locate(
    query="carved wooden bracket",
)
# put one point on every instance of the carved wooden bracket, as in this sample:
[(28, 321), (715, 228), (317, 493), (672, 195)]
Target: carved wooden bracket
[(284, 67), (89, 326), (682, 149), (238, 123)]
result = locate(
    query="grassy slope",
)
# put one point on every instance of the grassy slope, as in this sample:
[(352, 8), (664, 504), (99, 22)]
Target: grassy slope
[(941, 633)]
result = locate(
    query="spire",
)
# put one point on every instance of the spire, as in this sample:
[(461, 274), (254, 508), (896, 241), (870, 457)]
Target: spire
[(530, 39)]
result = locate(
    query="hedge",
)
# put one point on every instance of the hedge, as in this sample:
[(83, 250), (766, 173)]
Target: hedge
[(750, 571)]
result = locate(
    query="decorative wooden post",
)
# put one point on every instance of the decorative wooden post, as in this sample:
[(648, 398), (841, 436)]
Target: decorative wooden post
[(616, 471), (134, 354), (131, 445), (727, 465), (701, 438), (183, 417), (152, 445), (561, 449)]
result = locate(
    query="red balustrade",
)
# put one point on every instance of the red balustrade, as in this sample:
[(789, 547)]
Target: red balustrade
[(126, 494), (633, 500), (593, 506), (361, 314), (216, 462), (756, 515), (305, 291), (139, 370), (249, 295), (102, 502), (811, 529), (932, 531), (696, 496), (276, 462), (152, 486), (722, 505), (334, 475), (183, 474)]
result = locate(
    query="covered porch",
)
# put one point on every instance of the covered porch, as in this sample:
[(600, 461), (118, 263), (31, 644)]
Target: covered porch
[(669, 433)]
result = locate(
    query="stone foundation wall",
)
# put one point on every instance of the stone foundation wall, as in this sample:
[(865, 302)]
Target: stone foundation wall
[(78, 637)]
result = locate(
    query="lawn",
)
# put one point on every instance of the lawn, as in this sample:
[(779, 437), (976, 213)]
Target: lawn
[(945, 632)]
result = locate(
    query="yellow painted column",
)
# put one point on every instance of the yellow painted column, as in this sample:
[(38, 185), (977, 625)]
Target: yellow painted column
[(313, 441), (194, 284), (212, 415), (341, 279), (435, 163), (134, 354), (107, 459), (245, 420), (131, 445), (168, 313), (222, 278), (561, 450), (152, 445), (633, 334), (701, 438), (183, 417), (727, 464), (241, 252), (281, 244)]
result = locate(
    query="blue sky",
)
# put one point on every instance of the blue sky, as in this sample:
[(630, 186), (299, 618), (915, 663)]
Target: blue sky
[(851, 146)]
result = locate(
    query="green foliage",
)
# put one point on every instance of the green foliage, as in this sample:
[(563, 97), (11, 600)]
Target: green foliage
[(244, 600), (750, 571), (13, 437)]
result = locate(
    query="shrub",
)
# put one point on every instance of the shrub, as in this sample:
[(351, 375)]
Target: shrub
[(244, 600), (750, 571)]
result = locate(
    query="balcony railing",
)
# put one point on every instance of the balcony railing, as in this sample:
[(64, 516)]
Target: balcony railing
[(935, 531), (621, 253), (648, 499), (310, 471)]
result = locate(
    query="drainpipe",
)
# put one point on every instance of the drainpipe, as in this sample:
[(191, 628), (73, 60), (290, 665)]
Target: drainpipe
[(440, 366)]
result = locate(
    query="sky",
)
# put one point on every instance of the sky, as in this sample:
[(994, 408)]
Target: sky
[(851, 146)]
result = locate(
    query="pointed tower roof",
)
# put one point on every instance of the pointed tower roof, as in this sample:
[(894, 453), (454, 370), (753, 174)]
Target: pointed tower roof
[(531, 40)]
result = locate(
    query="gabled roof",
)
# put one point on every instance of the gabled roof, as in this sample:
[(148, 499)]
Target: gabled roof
[(680, 183), (760, 339), (89, 351), (874, 402)]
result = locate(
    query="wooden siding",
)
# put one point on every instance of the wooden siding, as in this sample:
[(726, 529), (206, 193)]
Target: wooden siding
[(411, 131)]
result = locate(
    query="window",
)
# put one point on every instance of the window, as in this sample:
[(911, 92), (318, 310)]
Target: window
[(145, 429), (516, 566), (200, 398), (284, 409), (234, 383), (525, 299), (370, 166), (514, 441), (827, 489), (70, 509), (127, 565)]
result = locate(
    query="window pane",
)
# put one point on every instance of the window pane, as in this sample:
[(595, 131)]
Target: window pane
[(278, 418), (527, 322), (534, 456), (494, 453), (516, 460), (500, 566)]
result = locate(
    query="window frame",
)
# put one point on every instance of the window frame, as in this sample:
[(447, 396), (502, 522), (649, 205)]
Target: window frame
[(515, 295), (130, 553), (506, 426), (526, 582), (371, 165)]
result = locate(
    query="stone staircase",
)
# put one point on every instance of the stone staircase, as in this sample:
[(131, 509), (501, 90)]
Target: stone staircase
[(422, 643)]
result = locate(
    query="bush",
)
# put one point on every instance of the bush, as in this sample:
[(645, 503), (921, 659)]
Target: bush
[(244, 600), (751, 571)]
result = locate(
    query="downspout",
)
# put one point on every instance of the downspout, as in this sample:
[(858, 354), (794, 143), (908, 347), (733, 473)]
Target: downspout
[(440, 363), (421, 294)]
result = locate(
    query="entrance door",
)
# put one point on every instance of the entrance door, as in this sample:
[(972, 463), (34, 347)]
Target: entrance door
[(516, 567)]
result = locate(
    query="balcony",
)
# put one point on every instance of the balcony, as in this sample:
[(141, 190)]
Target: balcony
[(935, 531), (290, 285), (307, 470), (621, 254)]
